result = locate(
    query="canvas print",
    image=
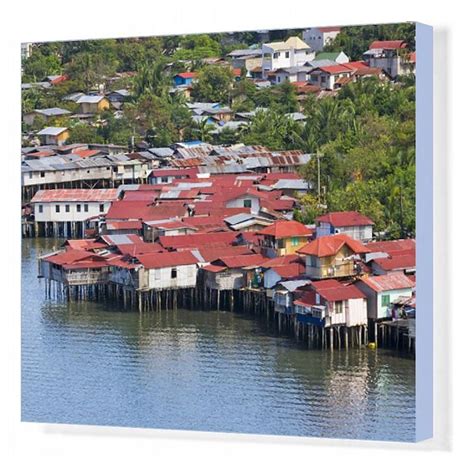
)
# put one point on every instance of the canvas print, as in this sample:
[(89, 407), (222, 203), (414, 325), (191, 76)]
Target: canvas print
[(219, 232)]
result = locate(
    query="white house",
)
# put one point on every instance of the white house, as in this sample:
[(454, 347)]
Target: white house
[(292, 52), (331, 303), (244, 200), (169, 270), (329, 77), (392, 56), (65, 212), (381, 291), (318, 37), (292, 74), (351, 223)]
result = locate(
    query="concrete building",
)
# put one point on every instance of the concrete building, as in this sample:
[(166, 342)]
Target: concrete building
[(290, 53), (318, 37), (65, 212)]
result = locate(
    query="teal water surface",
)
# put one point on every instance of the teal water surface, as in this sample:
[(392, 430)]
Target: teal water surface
[(88, 363)]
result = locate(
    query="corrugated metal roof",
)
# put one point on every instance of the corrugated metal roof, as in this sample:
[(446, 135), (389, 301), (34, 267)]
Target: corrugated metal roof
[(296, 184), (90, 99), (52, 130), (59, 195)]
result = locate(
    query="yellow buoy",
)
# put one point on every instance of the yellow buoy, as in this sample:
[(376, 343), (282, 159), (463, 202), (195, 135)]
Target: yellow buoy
[(372, 345)]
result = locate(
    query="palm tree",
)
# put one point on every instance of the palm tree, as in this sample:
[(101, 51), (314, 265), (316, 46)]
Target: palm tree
[(202, 129)]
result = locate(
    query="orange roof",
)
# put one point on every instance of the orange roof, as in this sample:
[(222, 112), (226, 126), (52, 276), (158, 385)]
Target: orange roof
[(329, 245), (283, 229)]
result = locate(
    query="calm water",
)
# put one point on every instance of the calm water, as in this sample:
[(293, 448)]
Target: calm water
[(212, 371)]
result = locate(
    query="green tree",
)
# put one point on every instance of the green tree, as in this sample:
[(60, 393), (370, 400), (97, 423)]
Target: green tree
[(38, 66), (82, 133), (214, 84)]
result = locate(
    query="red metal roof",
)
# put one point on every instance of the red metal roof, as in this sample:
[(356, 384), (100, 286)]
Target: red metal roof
[(388, 44), (167, 259), (170, 225), (289, 270), (345, 218), (124, 225), (394, 281), (69, 256), (333, 290), (397, 261), (306, 298), (278, 205), (284, 260), (183, 173), (179, 242), (136, 249), (210, 254), (214, 268), (233, 262), (329, 245), (390, 246), (356, 65), (83, 195), (284, 229), (148, 196), (84, 244)]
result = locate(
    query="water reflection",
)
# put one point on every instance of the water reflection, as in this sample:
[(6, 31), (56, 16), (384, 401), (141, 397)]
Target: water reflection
[(216, 371)]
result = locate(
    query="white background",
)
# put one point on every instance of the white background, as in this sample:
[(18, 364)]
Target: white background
[(60, 20)]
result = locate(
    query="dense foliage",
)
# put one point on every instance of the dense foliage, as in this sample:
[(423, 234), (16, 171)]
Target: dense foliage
[(364, 136), (355, 40)]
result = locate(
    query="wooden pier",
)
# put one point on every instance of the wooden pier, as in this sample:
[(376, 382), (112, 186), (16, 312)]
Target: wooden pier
[(247, 300)]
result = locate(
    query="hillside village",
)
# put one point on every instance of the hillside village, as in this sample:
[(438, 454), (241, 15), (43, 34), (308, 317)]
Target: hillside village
[(240, 201)]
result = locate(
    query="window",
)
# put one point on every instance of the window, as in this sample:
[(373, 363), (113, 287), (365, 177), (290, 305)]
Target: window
[(338, 307), (385, 300), (31, 175), (101, 208), (174, 273), (42, 174), (58, 208), (276, 55), (164, 180), (86, 208), (280, 243), (295, 241), (247, 203), (287, 54), (78, 208), (40, 208), (67, 208)]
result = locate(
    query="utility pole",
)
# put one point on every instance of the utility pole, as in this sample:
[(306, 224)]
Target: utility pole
[(319, 155)]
